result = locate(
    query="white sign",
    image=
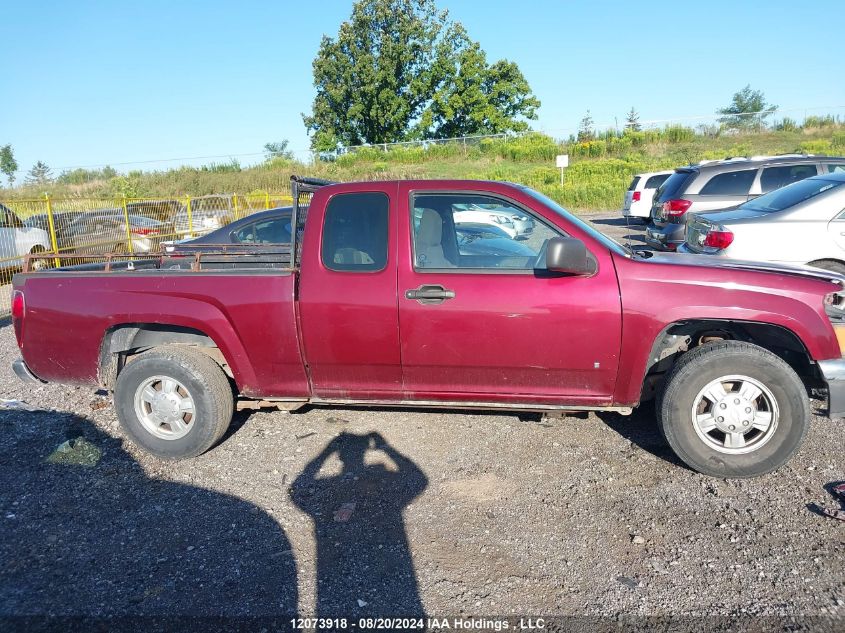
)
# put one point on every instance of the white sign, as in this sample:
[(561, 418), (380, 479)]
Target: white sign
[(562, 161)]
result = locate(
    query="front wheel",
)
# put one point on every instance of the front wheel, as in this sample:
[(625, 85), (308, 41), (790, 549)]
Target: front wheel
[(733, 409), (173, 402)]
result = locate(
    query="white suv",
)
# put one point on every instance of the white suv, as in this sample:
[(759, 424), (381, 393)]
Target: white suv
[(638, 198)]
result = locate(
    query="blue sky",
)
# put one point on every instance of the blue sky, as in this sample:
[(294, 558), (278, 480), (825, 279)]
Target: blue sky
[(90, 83)]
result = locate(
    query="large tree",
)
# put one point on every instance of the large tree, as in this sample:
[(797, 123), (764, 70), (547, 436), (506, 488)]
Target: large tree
[(748, 109), (8, 164), (393, 73), (478, 98)]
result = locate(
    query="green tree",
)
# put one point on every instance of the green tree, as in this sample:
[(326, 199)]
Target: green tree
[(585, 128), (478, 98), (278, 149), (748, 109), (8, 164), (40, 174), (395, 71), (632, 121)]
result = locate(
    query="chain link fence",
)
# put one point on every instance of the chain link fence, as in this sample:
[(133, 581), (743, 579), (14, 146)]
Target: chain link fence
[(71, 228)]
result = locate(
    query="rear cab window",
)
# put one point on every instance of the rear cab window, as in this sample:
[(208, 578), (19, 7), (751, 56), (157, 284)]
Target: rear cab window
[(732, 183), (355, 232)]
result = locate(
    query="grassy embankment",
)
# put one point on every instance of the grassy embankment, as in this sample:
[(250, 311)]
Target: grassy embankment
[(599, 172)]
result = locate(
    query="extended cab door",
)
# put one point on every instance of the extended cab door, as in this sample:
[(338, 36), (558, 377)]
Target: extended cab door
[(480, 318), (348, 308)]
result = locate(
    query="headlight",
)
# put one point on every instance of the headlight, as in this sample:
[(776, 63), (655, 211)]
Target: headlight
[(834, 308)]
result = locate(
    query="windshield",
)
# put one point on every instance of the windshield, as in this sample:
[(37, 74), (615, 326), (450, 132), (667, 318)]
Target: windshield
[(789, 196), (600, 237)]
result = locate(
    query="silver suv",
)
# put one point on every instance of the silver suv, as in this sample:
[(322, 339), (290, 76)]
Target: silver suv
[(724, 184)]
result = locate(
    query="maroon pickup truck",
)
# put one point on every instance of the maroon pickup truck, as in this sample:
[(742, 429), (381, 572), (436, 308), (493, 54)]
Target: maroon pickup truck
[(384, 296)]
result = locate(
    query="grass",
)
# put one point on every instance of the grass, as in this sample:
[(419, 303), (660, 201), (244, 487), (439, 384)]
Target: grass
[(600, 169)]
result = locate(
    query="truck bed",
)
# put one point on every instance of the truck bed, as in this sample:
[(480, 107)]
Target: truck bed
[(244, 303)]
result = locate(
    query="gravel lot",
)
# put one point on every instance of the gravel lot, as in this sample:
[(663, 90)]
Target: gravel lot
[(454, 513)]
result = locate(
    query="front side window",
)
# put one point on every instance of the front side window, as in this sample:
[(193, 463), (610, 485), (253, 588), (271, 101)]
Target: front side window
[(469, 231), (776, 177), (732, 183), (355, 232)]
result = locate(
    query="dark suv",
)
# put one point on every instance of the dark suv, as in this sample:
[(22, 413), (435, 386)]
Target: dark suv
[(724, 184)]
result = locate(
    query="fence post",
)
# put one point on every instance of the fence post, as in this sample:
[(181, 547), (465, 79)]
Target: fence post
[(129, 244), (190, 216), (266, 200), (52, 228)]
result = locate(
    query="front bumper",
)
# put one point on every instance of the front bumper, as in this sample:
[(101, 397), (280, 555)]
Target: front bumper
[(665, 238), (24, 373), (834, 375)]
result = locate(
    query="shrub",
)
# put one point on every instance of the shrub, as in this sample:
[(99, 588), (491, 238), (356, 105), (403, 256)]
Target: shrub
[(819, 146), (786, 125), (679, 134), (826, 120)]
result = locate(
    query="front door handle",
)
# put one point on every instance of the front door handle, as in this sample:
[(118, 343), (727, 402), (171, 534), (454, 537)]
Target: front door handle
[(430, 294)]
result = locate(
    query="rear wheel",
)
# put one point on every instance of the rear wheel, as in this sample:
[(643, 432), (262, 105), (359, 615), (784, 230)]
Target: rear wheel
[(733, 409), (174, 402), (829, 264)]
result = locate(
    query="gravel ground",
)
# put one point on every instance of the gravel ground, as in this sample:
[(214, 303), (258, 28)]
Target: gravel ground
[(454, 513)]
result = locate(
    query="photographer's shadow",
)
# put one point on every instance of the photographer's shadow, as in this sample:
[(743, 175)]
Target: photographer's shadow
[(364, 564), (104, 539)]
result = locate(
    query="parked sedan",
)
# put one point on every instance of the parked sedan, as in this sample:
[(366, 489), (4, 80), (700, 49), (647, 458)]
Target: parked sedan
[(803, 223), (265, 227), (104, 231)]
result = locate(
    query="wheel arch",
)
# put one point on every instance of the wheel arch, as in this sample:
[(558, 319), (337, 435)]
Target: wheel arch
[(682, 336), (122, 342)]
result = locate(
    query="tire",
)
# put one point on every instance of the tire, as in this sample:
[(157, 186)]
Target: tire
[(829, 264), (40, 264), (738, 370), (152, 418)]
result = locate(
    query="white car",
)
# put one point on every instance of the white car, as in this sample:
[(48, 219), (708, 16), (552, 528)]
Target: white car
[(17, 239), (640, 194), (505, 218), (802, 223)]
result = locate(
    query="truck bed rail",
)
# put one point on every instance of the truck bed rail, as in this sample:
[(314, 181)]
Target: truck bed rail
[(194, 258)]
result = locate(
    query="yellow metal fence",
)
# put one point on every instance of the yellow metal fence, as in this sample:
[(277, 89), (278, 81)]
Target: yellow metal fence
[(82, 226)]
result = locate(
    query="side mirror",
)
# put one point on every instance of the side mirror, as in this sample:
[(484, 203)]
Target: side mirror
[(568, 255)]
